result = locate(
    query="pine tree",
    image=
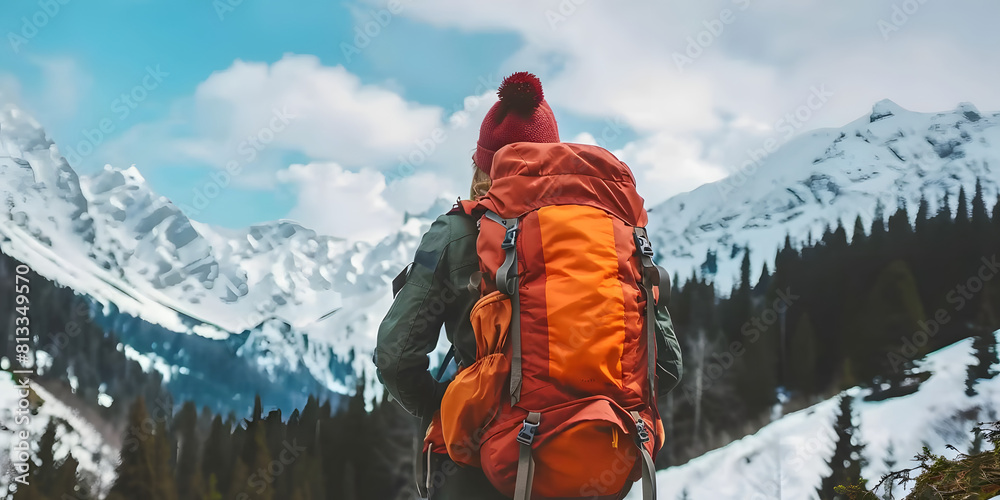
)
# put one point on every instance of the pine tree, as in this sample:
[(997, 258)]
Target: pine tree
[(247, 483), (764, 281), (890, 466), (859, 236), (45, 473), (985, 346), (995, 217), (980, 216), (190, 483), (962, 212), (848, 455), (802, 356), (67, 483), (213, 489), (135, 475), (877, 233), (217, 454), (875, 322), (922, 216), (162, 469)]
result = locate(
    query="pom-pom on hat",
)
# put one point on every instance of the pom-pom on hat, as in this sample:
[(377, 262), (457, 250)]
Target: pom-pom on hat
[(521, 115)]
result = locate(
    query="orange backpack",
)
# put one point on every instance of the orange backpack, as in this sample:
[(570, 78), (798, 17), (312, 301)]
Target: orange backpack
[(560, 402)]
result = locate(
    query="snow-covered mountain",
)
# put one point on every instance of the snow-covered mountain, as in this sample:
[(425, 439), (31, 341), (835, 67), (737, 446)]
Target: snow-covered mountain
[(229, 313), (788, 458), (892, 156)]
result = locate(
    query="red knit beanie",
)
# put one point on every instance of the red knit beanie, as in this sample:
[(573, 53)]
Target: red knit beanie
[(521, 115)]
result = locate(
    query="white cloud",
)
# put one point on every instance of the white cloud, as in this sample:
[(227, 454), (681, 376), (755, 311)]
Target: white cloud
[(255, 112), (10, 89), (616, 59), (664, 165), (335, 201), (370, 153), (63, 84)]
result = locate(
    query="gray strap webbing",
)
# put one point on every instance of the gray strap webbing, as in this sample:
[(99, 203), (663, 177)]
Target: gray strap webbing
[(430, 475), (648, 467), (495, 217), (400, 280), (507, 284), (525, 462), (650, 278), (515, 348)]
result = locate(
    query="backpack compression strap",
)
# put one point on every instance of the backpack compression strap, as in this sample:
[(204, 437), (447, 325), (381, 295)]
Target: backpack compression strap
[(525, 462), (507, 284), (648, 467)]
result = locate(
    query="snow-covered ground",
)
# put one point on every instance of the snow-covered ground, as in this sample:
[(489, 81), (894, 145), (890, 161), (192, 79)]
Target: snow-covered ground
[(97, 459), (787, 459)]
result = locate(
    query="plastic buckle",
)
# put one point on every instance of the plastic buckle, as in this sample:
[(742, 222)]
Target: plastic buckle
[(527, 433), (509, 238), (640, 428), (643, 245)]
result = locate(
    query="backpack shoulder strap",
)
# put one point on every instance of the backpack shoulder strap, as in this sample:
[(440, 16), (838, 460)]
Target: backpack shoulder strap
[(650, 278), (507, 284)]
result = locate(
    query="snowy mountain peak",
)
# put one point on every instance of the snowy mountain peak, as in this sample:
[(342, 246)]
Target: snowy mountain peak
[(884, 109), (969, 111)]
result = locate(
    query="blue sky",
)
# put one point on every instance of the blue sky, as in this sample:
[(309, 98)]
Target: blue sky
[(679, 90)]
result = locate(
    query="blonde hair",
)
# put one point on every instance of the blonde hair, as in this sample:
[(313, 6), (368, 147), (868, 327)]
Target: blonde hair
[(481, 183)]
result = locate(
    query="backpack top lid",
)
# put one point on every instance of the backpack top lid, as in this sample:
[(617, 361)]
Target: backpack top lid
[(529, 175)]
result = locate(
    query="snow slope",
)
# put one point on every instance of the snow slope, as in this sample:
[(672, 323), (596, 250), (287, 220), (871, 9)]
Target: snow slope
[(97, 459), (787, 459)]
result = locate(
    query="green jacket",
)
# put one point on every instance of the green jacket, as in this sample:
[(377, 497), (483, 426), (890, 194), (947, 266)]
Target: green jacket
[(436, 293)]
